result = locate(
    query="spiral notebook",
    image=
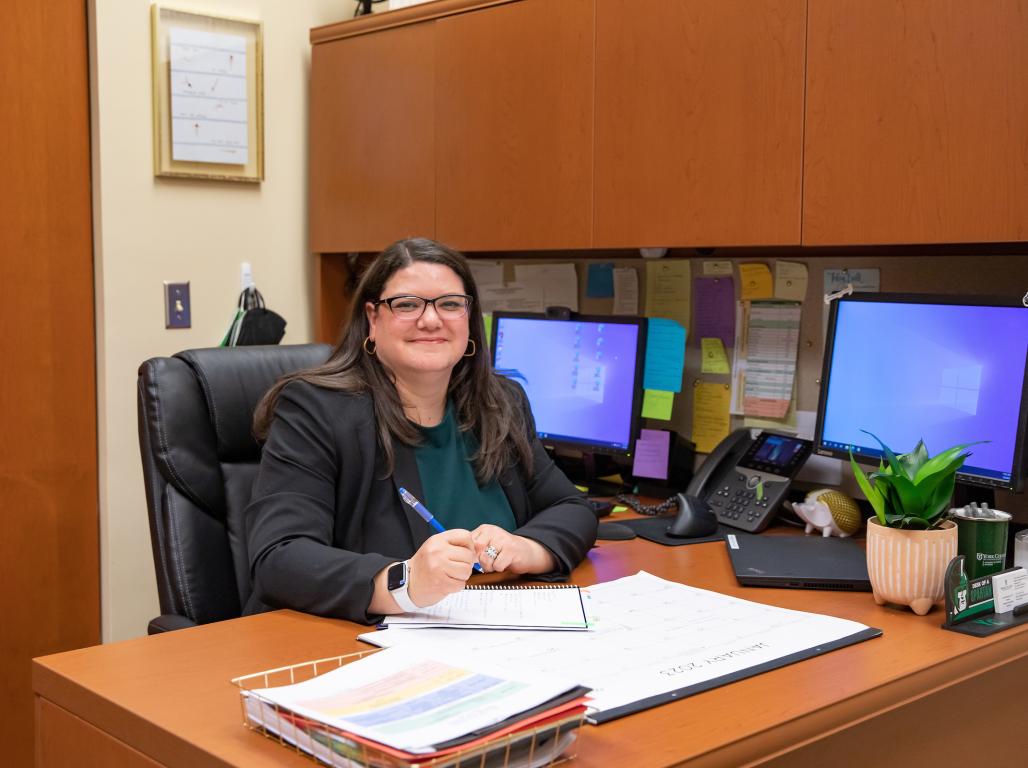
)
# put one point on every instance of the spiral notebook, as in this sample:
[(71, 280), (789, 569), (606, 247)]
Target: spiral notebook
[(549, 606)]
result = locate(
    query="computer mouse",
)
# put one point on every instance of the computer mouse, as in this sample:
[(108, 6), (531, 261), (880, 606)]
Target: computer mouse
[(695, 518)]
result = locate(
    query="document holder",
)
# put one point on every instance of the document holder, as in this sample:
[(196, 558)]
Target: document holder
[(545, 743)]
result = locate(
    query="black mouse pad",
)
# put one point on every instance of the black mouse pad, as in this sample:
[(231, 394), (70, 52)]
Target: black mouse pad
[(654, 529)]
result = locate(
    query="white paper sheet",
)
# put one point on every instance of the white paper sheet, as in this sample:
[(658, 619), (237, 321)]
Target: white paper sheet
[(664, 636), (773, 335), (512, 298), (557, 284), (209, 118), (556, 607), (626, 291)]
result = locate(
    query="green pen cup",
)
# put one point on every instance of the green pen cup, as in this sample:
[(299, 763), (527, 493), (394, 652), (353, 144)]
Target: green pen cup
[(981, 539)]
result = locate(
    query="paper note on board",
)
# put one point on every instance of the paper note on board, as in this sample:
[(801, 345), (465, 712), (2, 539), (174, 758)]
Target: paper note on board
[(772, 338), (512, 298), (626, 291), (715, 359), (755, 281), (651, 454), (600, 281), (714, 309), (665, 355), (557, 284), (717, 268), (709, 415), (657, 404), (790, 280), (486, 272), (667, 289)]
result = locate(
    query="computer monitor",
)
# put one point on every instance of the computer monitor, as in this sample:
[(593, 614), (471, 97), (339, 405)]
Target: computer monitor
[(945, 369), (583, 376)]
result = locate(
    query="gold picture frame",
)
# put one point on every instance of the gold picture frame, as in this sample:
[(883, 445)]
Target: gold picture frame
[(208, 96)]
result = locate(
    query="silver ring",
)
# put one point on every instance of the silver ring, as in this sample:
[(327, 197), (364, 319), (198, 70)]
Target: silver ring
[(492, 552)]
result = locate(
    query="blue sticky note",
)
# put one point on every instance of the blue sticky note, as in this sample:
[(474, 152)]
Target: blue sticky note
[(665, 355), (600, 284)]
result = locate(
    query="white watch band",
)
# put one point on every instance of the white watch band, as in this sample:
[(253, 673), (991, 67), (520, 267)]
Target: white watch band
[(400, 595)]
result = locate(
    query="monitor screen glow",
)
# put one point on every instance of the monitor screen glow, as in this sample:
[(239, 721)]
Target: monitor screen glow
[(582, 376), (927, 368)]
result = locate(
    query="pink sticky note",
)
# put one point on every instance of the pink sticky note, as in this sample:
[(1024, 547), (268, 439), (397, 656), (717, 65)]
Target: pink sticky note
[(651, 454)]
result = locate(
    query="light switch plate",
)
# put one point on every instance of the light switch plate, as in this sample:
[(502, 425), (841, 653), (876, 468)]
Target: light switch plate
[(177, 310)]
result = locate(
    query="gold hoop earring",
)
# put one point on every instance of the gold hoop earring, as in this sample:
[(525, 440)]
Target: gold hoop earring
[(374, 346), (474, 349)]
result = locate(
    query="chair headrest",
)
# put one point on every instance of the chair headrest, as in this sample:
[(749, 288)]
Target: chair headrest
[(234, 379)]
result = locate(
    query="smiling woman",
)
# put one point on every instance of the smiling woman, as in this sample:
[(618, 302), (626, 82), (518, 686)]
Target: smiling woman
[(407, 399)]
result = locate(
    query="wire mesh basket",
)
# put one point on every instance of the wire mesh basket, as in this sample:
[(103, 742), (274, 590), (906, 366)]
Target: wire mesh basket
[(545, 743)]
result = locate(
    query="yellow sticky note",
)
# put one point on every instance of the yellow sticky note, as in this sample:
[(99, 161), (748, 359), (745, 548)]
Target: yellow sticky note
[(618, 510), (709, 414), (790, 280), (715, 359), (582, 488), (657, 404), (755, 281)]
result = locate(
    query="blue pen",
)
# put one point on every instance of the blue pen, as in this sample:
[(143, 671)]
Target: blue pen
[(411, 500)]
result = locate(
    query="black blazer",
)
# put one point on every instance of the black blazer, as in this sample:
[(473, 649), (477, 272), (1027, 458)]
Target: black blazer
[(323, 520)]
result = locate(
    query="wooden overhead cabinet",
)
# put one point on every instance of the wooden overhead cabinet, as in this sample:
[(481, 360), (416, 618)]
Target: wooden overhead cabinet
[(916, 122), (699, 108), (372, 139), (514, 109)]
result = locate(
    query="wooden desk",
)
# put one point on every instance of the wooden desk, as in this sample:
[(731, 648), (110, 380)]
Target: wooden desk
[(912, 694)]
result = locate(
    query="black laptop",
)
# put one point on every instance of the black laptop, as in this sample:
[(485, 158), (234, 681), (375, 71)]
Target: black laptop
[(798, 562)]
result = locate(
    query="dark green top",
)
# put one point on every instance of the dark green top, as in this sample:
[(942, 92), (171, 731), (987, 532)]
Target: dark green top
[(452, 493)]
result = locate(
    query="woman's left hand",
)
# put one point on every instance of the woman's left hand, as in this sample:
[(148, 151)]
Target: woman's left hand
[(500, 551)]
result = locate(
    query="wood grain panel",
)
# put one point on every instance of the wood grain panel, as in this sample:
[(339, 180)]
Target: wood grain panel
[(699, 108), (64, 739), (917, 112), (514, 126), (894, 678), (49, 571), (372, 140)]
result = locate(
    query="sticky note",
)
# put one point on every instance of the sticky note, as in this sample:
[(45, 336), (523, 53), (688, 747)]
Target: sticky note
[(715, 359), (600, 281), (665, 355), (487, 318), (709, 415), (651, 454), (657, 404), (790, 280), (717, 268), (755, 281), (619, 509)]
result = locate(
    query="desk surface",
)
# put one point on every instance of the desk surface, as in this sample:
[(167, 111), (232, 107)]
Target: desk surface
[(168, 697)]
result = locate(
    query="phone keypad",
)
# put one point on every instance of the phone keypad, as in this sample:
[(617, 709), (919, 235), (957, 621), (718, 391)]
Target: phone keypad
[(736, 502)]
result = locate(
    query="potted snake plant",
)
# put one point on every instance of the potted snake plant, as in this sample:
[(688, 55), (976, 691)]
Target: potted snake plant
[(910, 541)]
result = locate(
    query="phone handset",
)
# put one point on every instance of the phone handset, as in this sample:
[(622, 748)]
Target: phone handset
[(726, 453)]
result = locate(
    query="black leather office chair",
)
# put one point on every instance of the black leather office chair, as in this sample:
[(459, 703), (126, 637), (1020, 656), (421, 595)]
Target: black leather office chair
[(199, 464)]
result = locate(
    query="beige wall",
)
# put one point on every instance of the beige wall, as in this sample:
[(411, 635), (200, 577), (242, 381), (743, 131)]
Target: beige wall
[(149, 230)]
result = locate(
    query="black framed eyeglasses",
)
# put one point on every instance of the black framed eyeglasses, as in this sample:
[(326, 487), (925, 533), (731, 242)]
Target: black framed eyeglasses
[(449, 307)]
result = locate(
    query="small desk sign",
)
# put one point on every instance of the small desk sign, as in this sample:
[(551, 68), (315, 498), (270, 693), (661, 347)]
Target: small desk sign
[(1010, 589)]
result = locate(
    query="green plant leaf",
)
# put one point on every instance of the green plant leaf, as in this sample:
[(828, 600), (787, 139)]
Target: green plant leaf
[(913, 461), (939, 500), (890, 457), (872, 495), (907, 497), (939, 461)]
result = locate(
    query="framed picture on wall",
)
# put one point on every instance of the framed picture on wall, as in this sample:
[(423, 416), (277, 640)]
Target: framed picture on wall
[(208, 96)]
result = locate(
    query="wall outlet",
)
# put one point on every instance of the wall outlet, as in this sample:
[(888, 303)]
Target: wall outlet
[(177, 310)]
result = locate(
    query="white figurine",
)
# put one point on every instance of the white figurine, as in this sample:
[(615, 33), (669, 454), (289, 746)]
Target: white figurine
[(833, 512)]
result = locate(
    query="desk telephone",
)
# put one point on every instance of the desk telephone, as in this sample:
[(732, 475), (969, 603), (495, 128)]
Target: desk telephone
[(744, 479)]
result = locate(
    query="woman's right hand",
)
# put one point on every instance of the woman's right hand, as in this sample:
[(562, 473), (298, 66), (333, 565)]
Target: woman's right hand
[(441, 566)]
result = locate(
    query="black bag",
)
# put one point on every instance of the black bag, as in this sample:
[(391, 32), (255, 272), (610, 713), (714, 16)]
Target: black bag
[(253, 323)]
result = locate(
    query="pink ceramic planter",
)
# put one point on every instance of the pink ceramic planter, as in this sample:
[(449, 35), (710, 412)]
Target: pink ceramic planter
[(907, 566)]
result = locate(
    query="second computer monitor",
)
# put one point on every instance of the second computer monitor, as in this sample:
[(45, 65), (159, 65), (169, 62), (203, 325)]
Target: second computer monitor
[(583, 376)]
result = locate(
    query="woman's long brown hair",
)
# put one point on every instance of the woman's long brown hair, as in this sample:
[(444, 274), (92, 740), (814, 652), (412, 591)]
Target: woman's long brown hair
[(484, 402)]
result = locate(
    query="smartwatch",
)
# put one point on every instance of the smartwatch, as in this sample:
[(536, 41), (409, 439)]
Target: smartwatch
[(397, 581)]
